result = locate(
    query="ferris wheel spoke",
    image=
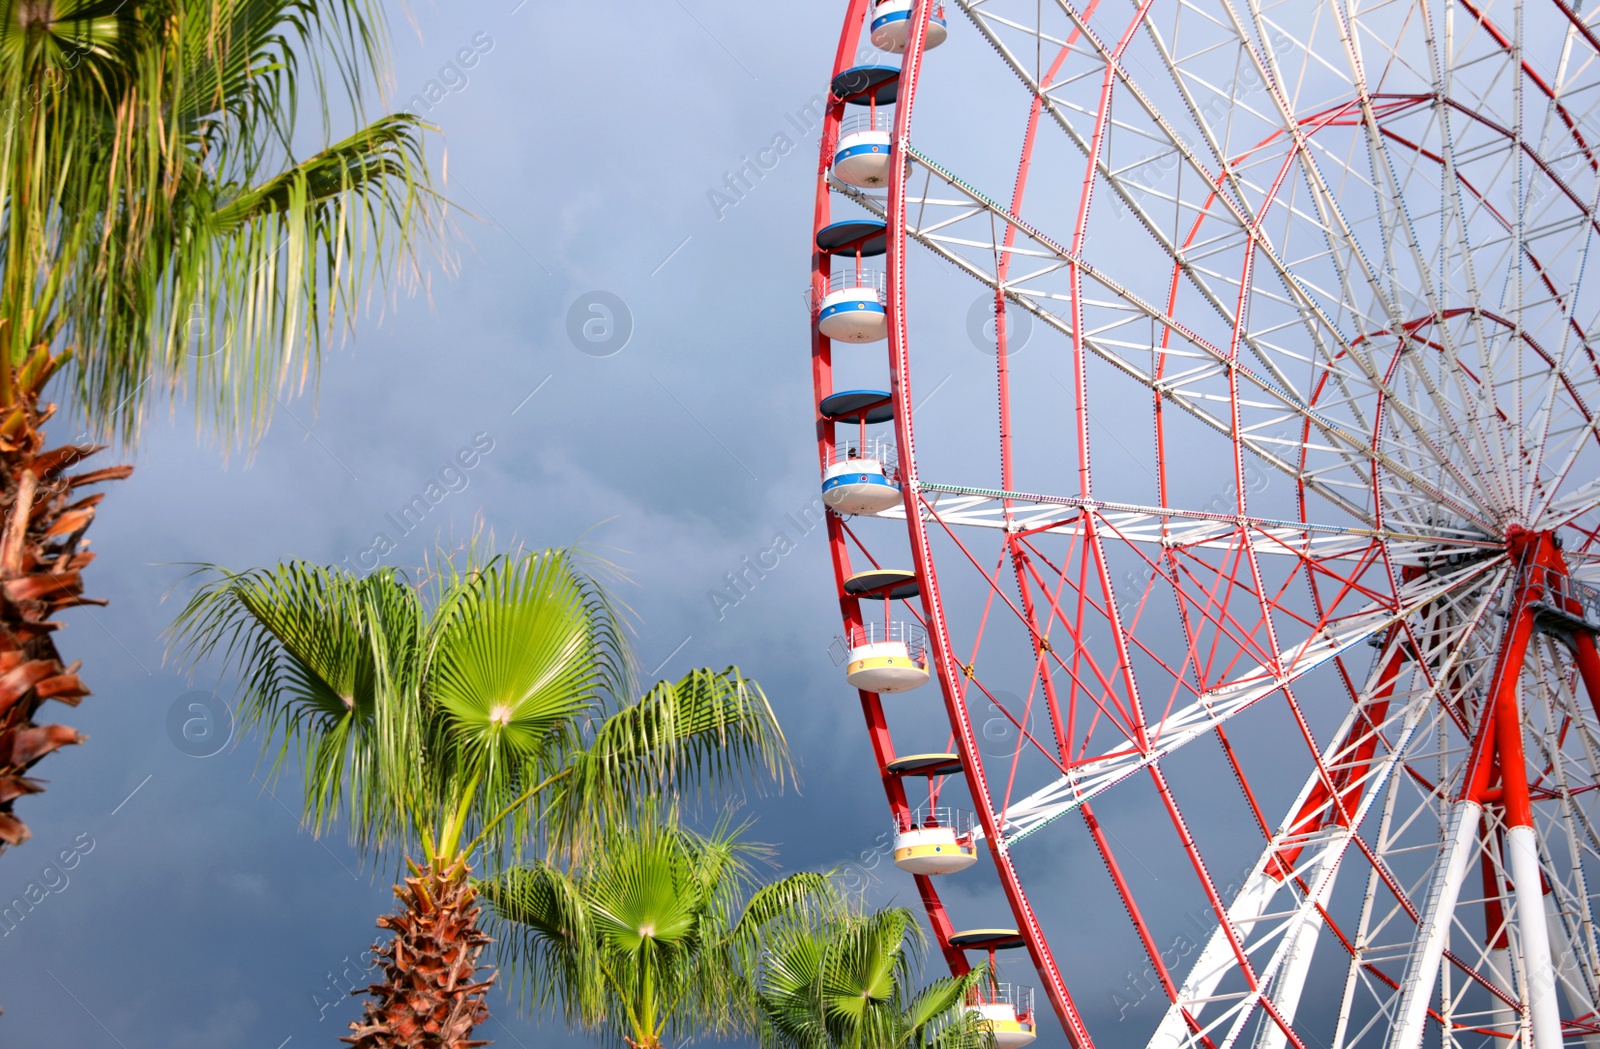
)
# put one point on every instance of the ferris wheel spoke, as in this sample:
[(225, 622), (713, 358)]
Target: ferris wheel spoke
[(1283, 902), (1242, 217), (986, 245), (1493, 482), (1086, 779), (1028, 513), (981, 222)]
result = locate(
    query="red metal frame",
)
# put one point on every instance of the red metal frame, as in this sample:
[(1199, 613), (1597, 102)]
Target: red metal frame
[(1211, 587), (838, 539), (950, 672)]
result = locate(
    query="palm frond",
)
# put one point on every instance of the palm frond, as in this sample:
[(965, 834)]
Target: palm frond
[(236, 299), (848, 981), (317, 651), (544, 942), (156, 217), (675, 920), (706, 730), (937, 1016)]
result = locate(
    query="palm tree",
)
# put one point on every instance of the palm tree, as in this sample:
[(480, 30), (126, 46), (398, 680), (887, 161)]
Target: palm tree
[(653, 930), (848, 984), (489, 717), (163, 235)]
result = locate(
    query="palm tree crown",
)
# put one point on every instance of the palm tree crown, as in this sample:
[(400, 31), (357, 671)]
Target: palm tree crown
[(494, 714), (437, 718), (655, 930), (158, 216), (849, 984)]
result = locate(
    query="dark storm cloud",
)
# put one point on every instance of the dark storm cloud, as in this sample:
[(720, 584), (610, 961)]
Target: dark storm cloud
[(583, 139)]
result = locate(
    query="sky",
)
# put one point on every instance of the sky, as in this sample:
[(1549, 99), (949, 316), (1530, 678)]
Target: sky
[(583, 144), (618, 357)]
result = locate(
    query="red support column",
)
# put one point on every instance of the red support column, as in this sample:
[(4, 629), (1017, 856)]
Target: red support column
[(1496, 745), (1500, 744), (1500, 720), (1588, 660)]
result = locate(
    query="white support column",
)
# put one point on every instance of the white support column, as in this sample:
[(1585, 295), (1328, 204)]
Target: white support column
[(1522, 863), (1216, 959), (1433, 931), (1289, 984), (1568, 972), (1498, 964)]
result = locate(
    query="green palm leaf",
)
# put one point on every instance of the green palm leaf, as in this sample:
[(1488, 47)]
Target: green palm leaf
[(511, 667), (321, 654), (157, 217), (655, 929), (464, 717), (848, 983), (542, 926), (706, 729)]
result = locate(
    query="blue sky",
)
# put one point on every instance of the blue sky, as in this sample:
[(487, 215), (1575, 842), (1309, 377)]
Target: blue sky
[(587, 141)]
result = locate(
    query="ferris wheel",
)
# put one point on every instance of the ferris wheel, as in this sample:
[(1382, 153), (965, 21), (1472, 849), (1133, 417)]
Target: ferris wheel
[(1269, 553)]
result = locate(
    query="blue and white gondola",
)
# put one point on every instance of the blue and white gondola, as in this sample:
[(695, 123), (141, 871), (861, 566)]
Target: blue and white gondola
[(891, 26), (853, 310), (862, 157), (859, 486)]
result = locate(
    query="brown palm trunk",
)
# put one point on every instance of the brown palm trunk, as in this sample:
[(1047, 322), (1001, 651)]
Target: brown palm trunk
[(41, 562), (430, 997)]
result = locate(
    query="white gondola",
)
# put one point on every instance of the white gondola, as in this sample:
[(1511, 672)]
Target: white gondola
[(862, 155), (863, 478), (853, 309), (1006, 1010), (934, 841), (891, 26), (884, 657)]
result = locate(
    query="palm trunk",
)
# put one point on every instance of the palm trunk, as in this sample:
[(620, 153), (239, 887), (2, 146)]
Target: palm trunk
[(430, 997), (41, 561)]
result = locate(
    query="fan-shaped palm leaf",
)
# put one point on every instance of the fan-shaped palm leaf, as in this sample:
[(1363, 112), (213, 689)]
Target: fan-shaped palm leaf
[(653, 929), (464, 723)]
